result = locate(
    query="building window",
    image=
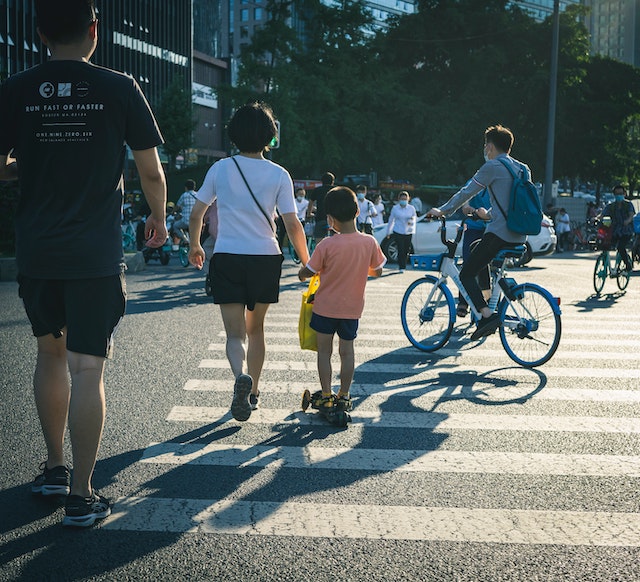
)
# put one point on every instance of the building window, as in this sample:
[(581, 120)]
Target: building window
[(244, 15), (257, 13)]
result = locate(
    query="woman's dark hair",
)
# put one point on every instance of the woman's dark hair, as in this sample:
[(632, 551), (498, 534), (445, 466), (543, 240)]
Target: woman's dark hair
[(341, 203), (64, 21), (252, 127)]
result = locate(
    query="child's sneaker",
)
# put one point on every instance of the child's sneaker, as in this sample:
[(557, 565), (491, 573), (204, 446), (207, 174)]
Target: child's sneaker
[(344, 403), (240, 407), (253, 400), (53, 481), (83, 511), (320, 402)]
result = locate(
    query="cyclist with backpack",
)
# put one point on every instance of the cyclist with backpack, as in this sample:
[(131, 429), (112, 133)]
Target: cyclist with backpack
[(497, 176)]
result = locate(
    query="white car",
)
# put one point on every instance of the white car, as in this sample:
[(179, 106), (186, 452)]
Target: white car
[(426, 240)]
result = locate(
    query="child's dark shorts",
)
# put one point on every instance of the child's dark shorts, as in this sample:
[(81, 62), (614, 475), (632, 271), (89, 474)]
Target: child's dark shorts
[(347, 329), (245, 279), (90, 309)]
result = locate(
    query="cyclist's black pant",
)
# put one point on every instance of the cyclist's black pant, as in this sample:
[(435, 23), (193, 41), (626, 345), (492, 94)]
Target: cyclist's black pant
[(620, 244), (477, 265)]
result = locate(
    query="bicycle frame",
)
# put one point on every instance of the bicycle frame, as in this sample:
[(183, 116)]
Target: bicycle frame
[(449, 270)]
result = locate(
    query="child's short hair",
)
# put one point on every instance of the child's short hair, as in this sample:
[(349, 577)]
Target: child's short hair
[(341, 203)]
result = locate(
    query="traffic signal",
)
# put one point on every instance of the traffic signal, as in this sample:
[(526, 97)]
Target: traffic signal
[(274, 144)]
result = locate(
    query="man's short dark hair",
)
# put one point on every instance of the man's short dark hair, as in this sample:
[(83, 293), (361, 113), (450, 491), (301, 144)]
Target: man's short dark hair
[(501, 137), (64, 21), (252, 127), (619, 187), (328, 179), (341, 203), (190, 185)]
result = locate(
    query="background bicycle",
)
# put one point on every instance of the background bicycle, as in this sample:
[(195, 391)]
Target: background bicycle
[(603, 268)]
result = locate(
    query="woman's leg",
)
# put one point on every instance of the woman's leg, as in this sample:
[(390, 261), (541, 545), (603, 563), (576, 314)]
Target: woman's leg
[(233, 317), (256, 345)]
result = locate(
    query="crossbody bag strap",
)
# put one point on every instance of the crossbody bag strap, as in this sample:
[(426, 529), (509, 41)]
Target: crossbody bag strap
[(497, 202), (253, 195)]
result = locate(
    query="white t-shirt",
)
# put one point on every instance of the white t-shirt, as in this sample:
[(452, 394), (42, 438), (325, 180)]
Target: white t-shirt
[(242, 228), (301, 208)]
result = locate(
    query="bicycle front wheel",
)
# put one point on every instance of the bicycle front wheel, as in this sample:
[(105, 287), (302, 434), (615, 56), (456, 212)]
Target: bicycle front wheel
[(600, 272), (427, 314), (183, 253), (292, 253), (622, 275), (530, 325)]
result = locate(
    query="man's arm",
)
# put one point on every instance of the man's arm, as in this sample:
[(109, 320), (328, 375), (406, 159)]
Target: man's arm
[(8, 168), (154, 187)]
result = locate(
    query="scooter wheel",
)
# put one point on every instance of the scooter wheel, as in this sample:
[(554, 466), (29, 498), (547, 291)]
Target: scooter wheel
[(306, 400)]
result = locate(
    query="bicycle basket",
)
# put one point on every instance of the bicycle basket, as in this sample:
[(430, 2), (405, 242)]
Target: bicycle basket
[(603, 238), (426, 262)]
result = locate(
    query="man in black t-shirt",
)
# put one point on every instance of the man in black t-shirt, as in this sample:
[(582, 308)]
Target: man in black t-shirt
[(63, 129), (317, 208)]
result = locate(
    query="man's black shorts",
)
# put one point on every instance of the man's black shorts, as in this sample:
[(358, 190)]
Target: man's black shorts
[(89, 309), (245, 279)]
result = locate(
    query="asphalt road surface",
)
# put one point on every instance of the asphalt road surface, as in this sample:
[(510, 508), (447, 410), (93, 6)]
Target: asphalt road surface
[(459, 465)]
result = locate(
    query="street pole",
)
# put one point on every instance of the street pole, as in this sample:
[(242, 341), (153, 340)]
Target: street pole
[(553, 90)]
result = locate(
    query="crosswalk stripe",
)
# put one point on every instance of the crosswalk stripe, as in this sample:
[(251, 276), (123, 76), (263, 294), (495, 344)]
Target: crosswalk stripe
[(422, 461), (384, 391), (438, 422), (429, 368), (446, 352), (507, 526)]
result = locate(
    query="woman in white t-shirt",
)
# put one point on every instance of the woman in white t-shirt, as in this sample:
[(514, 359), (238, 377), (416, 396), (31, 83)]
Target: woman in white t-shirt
[(247, 261)]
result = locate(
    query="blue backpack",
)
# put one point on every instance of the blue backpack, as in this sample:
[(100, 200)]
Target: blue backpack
[(525, 210)]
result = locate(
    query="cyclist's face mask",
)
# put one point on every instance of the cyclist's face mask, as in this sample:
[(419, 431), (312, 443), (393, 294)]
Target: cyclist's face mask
[(619, 197)]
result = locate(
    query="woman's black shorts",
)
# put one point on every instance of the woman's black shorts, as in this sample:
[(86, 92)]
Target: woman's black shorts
[(245, 279)]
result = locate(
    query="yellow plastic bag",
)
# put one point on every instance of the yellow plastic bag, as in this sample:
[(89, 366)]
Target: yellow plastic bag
[(308, 338)]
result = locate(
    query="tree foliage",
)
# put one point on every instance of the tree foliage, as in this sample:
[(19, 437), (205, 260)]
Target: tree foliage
[(175, 117), (412, 101)]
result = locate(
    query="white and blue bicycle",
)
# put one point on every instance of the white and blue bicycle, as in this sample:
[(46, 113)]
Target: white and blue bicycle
[(530, 325)]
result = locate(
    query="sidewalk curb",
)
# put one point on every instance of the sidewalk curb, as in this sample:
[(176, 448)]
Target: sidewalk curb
[(9, 270)]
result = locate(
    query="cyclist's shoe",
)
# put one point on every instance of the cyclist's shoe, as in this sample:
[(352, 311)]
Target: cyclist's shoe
[(253, 400), (462, 311), (486, 326), (83, 511), (53, 481), (240, 406), (343, 403)]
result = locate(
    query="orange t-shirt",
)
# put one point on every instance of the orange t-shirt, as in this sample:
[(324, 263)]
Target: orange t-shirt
[(343, 262)]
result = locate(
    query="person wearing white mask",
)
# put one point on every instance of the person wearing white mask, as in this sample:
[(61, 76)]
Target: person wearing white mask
[(402, 226), (302, 204), (364, 220)]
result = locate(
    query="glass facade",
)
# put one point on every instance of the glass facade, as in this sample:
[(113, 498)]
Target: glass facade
[(541, 9), (148, 39), (615, 28)]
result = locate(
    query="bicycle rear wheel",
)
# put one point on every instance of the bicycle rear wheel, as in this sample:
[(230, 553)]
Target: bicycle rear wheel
[(292, 253), (531, 326), (600, 272), (622, 275), (427, 314)]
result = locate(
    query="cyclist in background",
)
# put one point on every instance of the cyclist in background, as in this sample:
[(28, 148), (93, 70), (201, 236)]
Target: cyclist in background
[(621, 212)]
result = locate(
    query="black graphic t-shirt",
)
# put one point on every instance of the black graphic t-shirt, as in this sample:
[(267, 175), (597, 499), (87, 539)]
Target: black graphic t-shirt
[(67, 123)]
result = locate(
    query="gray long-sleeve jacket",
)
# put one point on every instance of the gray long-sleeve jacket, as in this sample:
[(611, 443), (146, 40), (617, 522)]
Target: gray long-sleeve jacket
[(496, 178)]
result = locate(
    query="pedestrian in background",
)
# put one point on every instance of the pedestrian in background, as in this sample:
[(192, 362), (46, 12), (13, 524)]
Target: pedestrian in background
[(247, 260), (402, 227), (364, 220), (316, 206), (416, 202), (378, 219), (68, 235), (184, 207), (563, 229)]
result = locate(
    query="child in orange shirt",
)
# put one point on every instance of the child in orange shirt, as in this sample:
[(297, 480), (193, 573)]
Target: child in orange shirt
[(344, 262)]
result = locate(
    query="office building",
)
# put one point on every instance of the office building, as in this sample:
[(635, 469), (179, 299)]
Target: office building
[(541, 9), (615, 29)]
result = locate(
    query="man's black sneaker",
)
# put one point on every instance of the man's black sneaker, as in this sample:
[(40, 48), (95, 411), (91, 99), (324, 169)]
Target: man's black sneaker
[(253, 400), (83, 511), (240, 406), (486, 326), (53, 481)]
